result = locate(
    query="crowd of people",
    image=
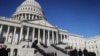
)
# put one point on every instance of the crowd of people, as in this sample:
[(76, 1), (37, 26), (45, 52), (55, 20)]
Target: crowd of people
[(81, 53), (3, 51)]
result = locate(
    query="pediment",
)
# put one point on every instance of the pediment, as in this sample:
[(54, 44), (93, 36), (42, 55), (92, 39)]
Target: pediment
[(42, 22)]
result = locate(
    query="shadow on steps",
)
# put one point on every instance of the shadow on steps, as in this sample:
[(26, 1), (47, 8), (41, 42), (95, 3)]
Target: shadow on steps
[(45, 46), (60, 49), (41, 51)]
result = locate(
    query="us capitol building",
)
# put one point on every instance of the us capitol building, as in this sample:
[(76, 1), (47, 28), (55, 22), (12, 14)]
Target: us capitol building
[(28, 23)]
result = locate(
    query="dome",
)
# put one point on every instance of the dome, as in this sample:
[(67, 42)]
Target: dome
[(32, 3), (28, 10)]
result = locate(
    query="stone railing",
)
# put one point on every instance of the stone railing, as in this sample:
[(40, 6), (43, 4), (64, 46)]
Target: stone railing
[(60, 49), (26, 52), (45, 46)]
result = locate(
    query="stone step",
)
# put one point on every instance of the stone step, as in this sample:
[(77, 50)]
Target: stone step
[(25, 43), (52, 49), (38, 54)]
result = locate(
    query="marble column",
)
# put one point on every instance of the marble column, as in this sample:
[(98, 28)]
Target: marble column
[(56, 37), (21, 16), (52, 37), (36, 17), (29, 16), (27, 36), (32, 17), (1, 29), (13, 42), (64, 38), (44, 36), (6, 40), (48, 38), (33, 35), (61, 37), (21, 33), (38, 36)]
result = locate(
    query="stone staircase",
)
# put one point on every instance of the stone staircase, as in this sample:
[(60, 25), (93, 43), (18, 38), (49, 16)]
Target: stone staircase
[(38, 54), (39, 51), (51, 49)]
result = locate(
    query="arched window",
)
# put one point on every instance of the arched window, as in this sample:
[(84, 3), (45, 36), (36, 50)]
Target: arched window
[(31, 9), (37, 17), (15, 52), (66, 36), (28, 8), (34, 9), (34, 16), (8, 49)]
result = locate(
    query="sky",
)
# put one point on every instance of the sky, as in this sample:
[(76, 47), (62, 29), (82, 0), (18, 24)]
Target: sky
[(80, 17)]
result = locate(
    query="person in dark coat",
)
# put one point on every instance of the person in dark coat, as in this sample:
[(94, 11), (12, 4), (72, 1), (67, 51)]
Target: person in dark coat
[(75, 52), (4, 51), (92, 54), (80, 52), (85, 52), (55, 54), (34, 44), (0, 50), (71, 53)]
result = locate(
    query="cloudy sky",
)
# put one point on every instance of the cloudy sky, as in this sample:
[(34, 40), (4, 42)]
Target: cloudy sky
[(77, 16)]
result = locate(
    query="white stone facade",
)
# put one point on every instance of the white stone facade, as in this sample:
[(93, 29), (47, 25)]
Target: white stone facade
[(28, 24)]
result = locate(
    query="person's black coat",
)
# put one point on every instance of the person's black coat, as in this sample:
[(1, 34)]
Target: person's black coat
[(91, 54), (34, 44), (85, 52), (71, 53), (0, 52), (75, 52), (4, 52), (80, 53)]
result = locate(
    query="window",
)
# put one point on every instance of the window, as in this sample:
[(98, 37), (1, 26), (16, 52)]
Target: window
[(66, 36), (28, 8), (31, 8), (96, 46), (94, 41), (37, 17), (34, 9), (23, 8)]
